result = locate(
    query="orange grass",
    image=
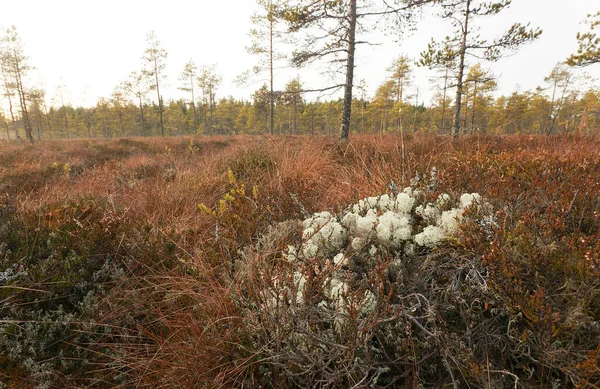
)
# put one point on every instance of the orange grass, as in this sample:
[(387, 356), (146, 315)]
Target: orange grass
[(546, 189)]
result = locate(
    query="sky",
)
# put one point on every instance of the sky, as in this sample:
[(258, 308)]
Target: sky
[(90, 46)]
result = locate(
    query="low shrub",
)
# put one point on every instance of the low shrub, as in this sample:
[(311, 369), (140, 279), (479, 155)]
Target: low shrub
[(56, 271)]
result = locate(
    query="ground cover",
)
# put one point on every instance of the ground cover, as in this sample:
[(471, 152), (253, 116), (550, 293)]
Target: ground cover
[(167, 263)]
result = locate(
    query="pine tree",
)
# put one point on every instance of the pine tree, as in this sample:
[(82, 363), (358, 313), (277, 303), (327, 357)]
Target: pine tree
[(209, 82), (467, 41), (188, 79), (15, 67), (136, 86), (154, 65), (329, 31), (588, 52)]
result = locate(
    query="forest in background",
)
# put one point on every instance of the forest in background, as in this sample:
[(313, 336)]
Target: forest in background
[(560, 106)]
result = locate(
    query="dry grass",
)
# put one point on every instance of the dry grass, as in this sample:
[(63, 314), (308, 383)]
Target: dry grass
[(187, 332)]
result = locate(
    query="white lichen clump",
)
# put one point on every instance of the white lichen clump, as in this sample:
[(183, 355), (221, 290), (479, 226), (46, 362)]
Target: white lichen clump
[(430, 237), (384, 221), (323, 234), (400, 225), (443, 223)]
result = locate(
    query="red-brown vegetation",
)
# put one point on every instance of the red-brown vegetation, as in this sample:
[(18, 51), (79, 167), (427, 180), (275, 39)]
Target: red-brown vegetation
[(172, 316)]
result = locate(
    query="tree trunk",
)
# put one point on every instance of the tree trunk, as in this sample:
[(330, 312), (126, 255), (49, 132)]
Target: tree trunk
[(194, 106), (295, 120), (312, 119), (62, 101), (121, 121), (271, 93), (66, 121), (473, 106), (362, 116), (47, 116), (399, 98), (204, 113), (444, 101), (347, 112), (465, 104), (210, 104), (12, 117), (23, 99), (142, 117), (552, 116), (160, 104), (416, 111), (40, 126), (461, 71)]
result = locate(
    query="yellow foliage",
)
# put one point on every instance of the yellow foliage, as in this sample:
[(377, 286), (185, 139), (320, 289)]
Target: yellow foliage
[(222, 205), (228, 197), (204, 209), (231, 177)]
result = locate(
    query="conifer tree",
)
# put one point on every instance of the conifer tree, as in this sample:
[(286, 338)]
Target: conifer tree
[(588, 52), (559, 81), (441, 58), (209, 82), (292, 98), (467, 41), (329, 30), (154, 65), (266, 35), (188, 79), (400, 77), (15, 67), (136, 86)]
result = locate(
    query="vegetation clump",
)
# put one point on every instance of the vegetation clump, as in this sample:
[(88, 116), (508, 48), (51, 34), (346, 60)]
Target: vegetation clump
[(361, 291)]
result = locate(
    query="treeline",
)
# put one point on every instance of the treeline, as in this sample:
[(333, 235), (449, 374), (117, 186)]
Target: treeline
[(558, 108)]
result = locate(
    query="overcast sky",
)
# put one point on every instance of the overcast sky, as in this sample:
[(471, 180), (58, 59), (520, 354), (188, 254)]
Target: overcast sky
[(90, 46)]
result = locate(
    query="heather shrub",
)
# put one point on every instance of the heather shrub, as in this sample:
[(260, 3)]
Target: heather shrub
[(55, 271), (280, 283), (381, 294), (424, 289), (252, 162)]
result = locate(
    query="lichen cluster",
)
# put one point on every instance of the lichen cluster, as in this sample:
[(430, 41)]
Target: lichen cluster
[(399, 225)]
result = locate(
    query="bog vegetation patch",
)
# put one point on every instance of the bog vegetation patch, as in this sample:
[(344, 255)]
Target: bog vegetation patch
[(484, 272)]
